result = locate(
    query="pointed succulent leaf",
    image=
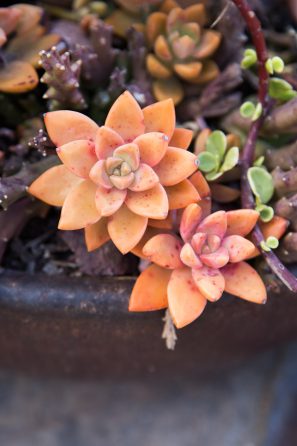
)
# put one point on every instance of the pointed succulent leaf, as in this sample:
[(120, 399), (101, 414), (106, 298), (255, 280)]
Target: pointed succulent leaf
[(126, 229), (182, 194), (150, 290), (241, 221), (210, 282), (243, 281), (185, 301), (164, 250)]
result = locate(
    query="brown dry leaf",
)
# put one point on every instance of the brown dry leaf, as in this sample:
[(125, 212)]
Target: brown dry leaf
[(18, 77)]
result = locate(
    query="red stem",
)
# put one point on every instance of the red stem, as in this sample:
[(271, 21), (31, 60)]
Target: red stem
[(247, 198)]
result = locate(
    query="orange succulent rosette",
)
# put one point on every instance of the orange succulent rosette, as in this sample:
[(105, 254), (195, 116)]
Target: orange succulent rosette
[(207, 260), (118, 178)]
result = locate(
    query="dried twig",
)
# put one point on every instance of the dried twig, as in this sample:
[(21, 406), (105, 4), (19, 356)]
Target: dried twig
[(169, 333)]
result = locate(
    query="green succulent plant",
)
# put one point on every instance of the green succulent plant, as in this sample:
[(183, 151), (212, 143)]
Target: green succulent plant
[(217, 157)]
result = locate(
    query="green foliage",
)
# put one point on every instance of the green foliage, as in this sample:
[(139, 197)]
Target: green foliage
[(250, 110), (281, 90), (217, 158), (275, 65), (272, 242), (266, 212), (249, 58), (261, 183), (259, 161), (269, 244)]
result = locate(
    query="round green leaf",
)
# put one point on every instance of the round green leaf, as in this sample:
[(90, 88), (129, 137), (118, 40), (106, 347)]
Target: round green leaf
[(247, 109), (278, 64), (231, 159), (272, 242), (207, 162), (261, 183), (249, 59), (264, 246), (266, 212), (216, 144)]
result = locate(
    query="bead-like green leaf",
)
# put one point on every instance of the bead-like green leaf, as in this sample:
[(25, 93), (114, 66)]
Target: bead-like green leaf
[(266, 212), (281, 90), (264, 246), (272, 242), (247, 109), (249, 58), (216, 144), (231, 159), (207, 162), (261, 183)]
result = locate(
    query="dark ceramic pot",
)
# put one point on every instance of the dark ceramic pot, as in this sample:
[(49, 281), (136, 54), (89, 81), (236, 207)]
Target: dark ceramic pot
[(81, 327)]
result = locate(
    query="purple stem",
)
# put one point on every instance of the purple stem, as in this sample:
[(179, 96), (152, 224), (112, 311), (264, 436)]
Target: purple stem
[(247, 198)]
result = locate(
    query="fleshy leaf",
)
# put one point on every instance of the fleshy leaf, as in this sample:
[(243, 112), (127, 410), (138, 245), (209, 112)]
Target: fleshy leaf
[(243, 281), (190, 219), (181, 138), (261, 183), (53, 185), (152, 147), (185, 301), (109, 201), (231, 159), (175, 166), (241, 222), (126, 229), (79, 208), (216, 259), (215, 223), (152, 203), (64, 126), (125, 117), (216, 143), (181, 195), (238, 248), (208, 162), (164, 250), (150, 290), (145, 178), (18, 77), (78, 156), (160, 117), (96, 235), (210, 282), (107, 140)]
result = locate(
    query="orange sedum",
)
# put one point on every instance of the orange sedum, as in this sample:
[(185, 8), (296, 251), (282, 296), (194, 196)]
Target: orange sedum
[(205, 262), (116, 177)]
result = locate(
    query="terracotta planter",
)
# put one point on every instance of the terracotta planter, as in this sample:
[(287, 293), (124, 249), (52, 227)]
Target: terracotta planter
[(81, 327)]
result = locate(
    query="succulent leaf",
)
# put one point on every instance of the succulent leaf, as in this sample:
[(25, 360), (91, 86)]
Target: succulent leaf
[(261, 183)]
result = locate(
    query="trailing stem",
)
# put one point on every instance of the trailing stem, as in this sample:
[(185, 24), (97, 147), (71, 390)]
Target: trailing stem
[(247, 197)]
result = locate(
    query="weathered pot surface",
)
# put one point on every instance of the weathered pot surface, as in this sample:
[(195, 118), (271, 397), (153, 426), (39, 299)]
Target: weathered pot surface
[(81, 327)]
